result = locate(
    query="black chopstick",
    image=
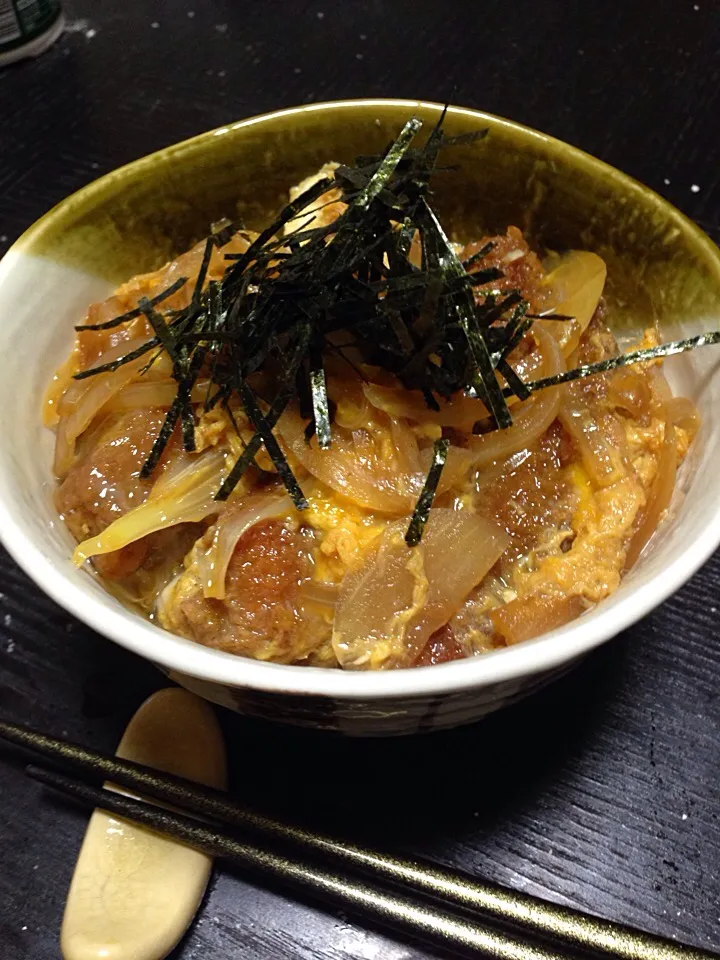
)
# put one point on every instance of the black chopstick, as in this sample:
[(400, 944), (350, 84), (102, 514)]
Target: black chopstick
[(565, 927), (393, 909)]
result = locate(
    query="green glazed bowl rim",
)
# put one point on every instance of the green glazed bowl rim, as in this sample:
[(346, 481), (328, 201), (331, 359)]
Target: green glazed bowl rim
[(85, 197), (505, 666)]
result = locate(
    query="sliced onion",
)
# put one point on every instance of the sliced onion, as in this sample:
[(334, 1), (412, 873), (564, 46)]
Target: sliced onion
[(167, 473), (659, 497), (320, 592), (406, 446), (189, 498), (84, 399), (575, 280), (77, 388), (233, 524), (684, 414), (352, 409), (388, 609), (629, 390), (60, 383), (90, 345), (377, 479), (153, 393), (532, 418), (461, 412), (599, 440), (662, 393)]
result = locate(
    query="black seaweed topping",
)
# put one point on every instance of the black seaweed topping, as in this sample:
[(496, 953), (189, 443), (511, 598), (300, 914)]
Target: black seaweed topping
[(304, 289), (425, 500)]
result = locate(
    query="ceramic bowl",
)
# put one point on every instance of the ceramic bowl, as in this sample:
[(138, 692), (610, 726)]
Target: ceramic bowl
[(662, 269)]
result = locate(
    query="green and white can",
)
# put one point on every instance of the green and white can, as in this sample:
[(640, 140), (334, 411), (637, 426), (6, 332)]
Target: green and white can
[(27, 27)]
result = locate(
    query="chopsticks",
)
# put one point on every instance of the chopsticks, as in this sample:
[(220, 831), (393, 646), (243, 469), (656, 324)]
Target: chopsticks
[(396, 910), (563, 929)]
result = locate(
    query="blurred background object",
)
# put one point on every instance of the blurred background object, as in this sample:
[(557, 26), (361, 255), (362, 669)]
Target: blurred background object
[(28, 27)]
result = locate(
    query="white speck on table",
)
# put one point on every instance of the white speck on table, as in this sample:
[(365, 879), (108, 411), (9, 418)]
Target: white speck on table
[(320, 14), (154, 25), (76, 26), (7, 620), (666, 182), (221, 27), (695, 188)]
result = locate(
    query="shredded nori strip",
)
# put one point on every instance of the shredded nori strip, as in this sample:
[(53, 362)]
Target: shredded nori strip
[(253, 447), (387, 165), (425, 500), (136, 311), (296, 295), (225, 230), (318, 388), (585, 370), (271, 418), (273, 447), (161, 441), (514, 382), (483, 376), (162, 330), (114, 364), (478, 255), (202, 272)]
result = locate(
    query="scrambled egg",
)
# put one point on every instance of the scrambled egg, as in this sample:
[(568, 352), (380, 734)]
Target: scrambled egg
[(345, 530), (602, 523)]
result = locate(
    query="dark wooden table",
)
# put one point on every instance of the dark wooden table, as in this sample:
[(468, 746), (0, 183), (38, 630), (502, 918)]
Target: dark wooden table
[(601, 791)]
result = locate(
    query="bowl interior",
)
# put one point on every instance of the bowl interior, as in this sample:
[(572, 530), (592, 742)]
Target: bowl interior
[(661, 269)]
